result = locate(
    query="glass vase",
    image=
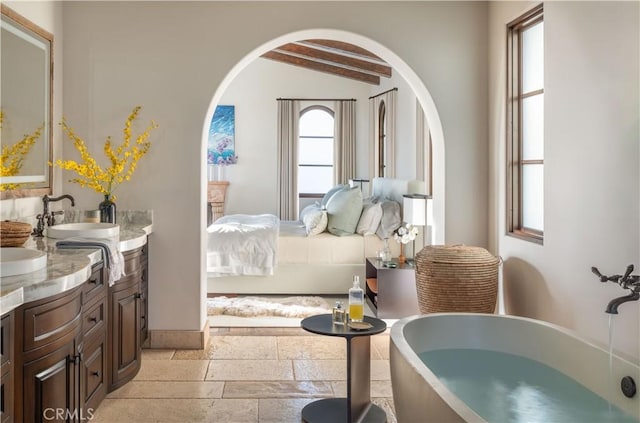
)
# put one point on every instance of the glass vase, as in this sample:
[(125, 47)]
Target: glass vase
[(107, 210), (386, 252)]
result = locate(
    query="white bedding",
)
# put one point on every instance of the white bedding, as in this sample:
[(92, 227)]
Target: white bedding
[(243, 244), (321, 264)]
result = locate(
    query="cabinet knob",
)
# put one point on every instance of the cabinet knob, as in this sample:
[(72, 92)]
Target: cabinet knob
[(96, 374), (140, 295), (93, 319), (93, 281)]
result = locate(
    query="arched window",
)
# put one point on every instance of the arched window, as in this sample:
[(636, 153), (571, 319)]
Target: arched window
[(315, 152), (382, 139)]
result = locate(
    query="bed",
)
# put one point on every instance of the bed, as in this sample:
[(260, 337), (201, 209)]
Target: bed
[(319, 264)]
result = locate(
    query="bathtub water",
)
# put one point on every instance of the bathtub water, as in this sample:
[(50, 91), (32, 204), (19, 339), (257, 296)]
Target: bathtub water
[(508, 388), (470, 372)]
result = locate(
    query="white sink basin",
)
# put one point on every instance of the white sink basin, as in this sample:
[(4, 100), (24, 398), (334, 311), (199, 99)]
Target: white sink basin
[(84, 230), (18, 261)]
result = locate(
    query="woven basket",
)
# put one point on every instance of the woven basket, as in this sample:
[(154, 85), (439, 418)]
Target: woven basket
[(14, 234), (456, 279)]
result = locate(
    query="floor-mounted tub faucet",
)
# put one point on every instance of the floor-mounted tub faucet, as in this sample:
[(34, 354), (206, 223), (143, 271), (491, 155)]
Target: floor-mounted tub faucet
[(47, 218), (626, 281)]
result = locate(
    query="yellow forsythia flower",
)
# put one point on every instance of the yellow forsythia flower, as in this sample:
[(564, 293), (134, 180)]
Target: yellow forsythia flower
[(12, 157), (123, 160)]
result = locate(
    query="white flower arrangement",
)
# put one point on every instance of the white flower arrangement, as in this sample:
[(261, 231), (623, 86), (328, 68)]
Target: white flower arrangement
[(405, 234)]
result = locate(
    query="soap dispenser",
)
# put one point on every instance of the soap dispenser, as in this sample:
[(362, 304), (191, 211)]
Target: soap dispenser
[(356, 301)]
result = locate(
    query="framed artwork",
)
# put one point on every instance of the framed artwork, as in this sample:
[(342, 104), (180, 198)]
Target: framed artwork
[(221, 145)]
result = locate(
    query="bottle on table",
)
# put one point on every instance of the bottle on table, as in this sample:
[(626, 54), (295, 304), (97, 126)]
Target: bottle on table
[(356, 301), (339, 315)]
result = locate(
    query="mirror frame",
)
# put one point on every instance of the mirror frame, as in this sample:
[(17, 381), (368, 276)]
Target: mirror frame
[(22, 22)]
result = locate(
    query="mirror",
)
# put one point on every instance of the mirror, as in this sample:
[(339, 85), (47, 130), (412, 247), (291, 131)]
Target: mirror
[(26, 78)]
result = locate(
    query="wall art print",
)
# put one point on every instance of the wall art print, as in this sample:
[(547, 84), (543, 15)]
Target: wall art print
[(221, 145)]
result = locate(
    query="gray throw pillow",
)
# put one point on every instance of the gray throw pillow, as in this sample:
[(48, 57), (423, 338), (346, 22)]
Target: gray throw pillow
[(370, 218), (344, 211), (391, 219)]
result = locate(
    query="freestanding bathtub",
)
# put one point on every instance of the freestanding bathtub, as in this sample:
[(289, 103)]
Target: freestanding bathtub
[(421, 396)]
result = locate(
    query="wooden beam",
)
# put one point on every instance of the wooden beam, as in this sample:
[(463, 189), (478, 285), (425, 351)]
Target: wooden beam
[(324, 56), (322, 67), (339, 45)]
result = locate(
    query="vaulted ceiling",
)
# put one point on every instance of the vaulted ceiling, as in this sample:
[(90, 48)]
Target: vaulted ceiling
[(334, 57)]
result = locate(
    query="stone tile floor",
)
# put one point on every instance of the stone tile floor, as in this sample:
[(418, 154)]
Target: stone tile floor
[(244, 375)]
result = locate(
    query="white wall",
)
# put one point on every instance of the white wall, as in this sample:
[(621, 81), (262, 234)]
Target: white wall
[(592, 178), (170, 58), (47, 15), (254, 92)]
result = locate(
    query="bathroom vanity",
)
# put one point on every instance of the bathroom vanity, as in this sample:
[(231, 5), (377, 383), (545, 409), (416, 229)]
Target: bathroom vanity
[(67, 338)]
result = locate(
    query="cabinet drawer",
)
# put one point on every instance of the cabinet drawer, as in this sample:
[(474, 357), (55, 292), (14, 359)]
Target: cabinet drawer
[(94, 373), (95, 286), (94, 319), (51, 320)]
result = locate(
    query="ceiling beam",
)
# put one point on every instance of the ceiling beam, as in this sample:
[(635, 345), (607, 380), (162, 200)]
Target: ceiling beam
[(324, 56), (323, 67), (339, 45)]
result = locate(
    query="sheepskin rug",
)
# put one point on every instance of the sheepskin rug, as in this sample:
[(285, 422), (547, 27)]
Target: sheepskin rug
[(264, 306)]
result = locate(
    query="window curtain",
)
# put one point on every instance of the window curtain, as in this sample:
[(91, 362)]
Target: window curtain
[(287, 133), (390, 99), (344, 152)]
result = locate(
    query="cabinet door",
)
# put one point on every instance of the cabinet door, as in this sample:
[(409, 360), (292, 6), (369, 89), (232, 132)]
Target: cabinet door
[(125, 334), (6, 369), (52, 386)]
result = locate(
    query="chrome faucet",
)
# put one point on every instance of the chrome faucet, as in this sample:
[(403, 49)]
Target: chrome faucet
[(47, 218), (626, 281)]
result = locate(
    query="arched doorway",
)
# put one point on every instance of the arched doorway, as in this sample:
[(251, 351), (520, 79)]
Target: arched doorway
[(414, 82)]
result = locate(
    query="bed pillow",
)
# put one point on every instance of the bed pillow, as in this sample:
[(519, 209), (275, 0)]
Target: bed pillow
[(344, 209), (327, 197), (370, 218), (391, 219), (314, 218)]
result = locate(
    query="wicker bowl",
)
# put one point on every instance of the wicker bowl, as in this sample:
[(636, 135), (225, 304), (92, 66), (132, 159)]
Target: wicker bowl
[(456, 278), (14, 234)]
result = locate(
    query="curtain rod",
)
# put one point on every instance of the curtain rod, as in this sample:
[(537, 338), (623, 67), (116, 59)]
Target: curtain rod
[(384, 92), (318, 99)]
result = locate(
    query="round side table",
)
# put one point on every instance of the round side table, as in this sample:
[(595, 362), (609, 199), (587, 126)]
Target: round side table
[(357, 406)]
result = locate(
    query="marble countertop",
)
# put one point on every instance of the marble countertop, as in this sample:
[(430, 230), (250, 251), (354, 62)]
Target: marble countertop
[(66, 269)]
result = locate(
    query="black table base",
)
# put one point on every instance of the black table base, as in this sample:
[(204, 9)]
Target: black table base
[(335, 410)]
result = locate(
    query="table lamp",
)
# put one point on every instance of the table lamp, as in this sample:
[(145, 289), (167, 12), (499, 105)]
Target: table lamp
[(414, 212)]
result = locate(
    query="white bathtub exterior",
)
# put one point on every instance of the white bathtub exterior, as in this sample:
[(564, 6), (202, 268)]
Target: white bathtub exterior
[(420, 397)]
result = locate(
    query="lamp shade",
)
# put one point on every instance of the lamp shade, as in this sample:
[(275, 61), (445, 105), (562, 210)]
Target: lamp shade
[(414, 209)]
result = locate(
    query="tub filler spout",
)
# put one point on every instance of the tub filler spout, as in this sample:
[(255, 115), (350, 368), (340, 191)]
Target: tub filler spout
[(626, 281), (612, 307)]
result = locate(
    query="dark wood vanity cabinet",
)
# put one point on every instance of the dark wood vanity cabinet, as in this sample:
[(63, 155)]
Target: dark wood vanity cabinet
[(62, 354), (125, 323)]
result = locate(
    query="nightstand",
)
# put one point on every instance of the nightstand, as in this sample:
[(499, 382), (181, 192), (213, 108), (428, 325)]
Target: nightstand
[(391, 292)]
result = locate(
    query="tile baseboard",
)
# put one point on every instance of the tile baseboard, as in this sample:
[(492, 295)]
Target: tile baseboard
[(179, 339)]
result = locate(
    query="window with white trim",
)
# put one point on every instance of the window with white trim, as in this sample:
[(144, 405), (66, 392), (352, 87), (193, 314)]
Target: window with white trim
[(315, 152), (525, 126)]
